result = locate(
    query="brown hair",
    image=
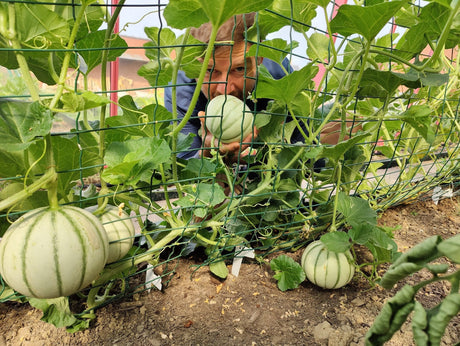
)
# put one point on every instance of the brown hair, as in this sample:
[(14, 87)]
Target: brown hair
[(232, 30)]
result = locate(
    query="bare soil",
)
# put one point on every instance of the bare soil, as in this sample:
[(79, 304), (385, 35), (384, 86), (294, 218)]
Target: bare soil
[(249, 309)]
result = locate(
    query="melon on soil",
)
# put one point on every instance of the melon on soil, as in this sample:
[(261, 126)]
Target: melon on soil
[(327, 269), (49, 253)]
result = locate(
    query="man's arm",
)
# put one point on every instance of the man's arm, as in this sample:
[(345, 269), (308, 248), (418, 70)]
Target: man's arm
[(184, 92)]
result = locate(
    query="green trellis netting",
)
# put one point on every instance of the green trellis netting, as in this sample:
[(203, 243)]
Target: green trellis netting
[(82, 98)]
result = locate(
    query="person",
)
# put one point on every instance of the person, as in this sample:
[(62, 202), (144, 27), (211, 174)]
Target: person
[(229, 72)]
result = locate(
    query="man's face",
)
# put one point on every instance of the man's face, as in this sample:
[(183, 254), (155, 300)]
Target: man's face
[(230, 72)]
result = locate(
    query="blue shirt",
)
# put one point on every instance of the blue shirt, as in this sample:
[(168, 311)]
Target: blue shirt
[(184, 92)]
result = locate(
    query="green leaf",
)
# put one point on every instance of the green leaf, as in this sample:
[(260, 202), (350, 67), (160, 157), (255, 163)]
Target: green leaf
[(302, 13), (219, 268), (36, 24), (440, 317), (430, 79), (419, 324), (219, 12), (157, 73), (360, 234), (381, 239), (162, 43), (68, 156), (201, 167), (181, 14), (337, 241), (36, 200), (356, 211), (319, 47), (375, 83), (430, 23), (353, 161), (286, 88), (451, 248), (288, 272), (23, 123), (184, 141), (89, 49), (367, 21), (146, 122), (419, 117), (276, 49), (135, 160), (34, 32), (161, 51), (12, 163), (322, 3), (412, 261), (94, 17), (337, 152), (73, 102), (382, 255), (55, 311), (202, 197), (438, 268), (189, 63), (392, 316)]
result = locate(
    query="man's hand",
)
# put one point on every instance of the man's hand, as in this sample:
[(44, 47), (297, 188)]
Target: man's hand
[(331, 131), (231, 151)]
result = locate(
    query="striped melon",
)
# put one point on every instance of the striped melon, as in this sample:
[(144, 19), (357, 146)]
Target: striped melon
[(119, 228), (49, 253), (325, 268), (227, 120)]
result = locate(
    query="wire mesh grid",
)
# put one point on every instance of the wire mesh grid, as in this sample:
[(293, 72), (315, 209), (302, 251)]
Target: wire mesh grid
[(339, 107)]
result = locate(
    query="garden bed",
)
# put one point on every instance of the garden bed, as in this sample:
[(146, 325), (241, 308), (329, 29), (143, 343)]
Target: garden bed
[(250, 309)]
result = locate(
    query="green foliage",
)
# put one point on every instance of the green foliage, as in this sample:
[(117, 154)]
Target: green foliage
[(366, 21), (288, 272), (19, 131), (182, 14), (428, 325)]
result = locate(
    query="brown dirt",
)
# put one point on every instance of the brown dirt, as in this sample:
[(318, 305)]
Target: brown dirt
[(249, 309)]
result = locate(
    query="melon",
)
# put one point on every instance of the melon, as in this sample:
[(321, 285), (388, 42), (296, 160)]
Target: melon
[(120, 230), (227, 120), (53, 252), (325, 268)]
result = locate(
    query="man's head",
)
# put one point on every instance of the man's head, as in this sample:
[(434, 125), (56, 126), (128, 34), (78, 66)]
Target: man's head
[(229, 71)]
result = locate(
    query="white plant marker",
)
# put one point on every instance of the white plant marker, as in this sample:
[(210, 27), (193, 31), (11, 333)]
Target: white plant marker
[(439, 193), (152, 279), (240, 252)]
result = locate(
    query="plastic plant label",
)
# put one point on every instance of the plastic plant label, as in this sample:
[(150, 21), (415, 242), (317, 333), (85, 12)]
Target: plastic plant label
[(240, 252), (152, 279)]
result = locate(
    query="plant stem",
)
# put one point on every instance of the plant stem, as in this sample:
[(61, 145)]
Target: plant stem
[(111, 271), (176, 67), (66, 61), (336, 197), (199, 83), (166, 193), (49, 175), (104, 59), (22, 62)]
